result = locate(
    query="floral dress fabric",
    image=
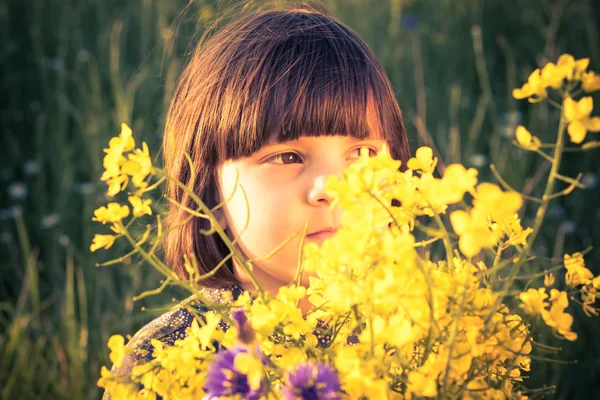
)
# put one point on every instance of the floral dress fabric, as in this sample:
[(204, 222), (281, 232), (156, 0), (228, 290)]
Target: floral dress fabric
[(168, 328), (172, 326)]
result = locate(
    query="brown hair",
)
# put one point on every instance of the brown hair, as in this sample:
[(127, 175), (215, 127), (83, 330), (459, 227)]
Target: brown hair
[(279, 74)]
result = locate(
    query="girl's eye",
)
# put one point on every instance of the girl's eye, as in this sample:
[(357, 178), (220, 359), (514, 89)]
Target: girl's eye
[(286, 158), (372, 152)]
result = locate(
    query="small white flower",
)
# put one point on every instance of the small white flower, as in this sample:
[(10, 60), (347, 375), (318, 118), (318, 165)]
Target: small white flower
[(31, 167), (10, 213), (63, 240), (17, 190), (83, 55), (589, 180), (50, 221), (568, 227), (478, 160), (83, 188)]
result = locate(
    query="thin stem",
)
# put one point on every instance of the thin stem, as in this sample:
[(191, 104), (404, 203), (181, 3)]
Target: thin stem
[(446, 237), (510, 188), (497, 259), (217, 228), (539, 218)]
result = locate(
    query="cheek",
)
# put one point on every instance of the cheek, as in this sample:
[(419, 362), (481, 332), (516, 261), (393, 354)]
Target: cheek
[(254, 203)]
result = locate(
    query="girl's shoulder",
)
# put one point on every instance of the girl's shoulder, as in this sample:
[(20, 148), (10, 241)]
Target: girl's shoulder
[(167, 328)]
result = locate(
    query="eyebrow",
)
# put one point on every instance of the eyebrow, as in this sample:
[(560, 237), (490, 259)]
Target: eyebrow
[(274, 142)]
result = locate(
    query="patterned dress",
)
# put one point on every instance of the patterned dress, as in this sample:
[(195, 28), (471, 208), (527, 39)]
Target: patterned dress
[(168, 328), (172, 326)]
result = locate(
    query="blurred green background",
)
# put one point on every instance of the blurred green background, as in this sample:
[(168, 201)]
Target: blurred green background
[(72, 71)]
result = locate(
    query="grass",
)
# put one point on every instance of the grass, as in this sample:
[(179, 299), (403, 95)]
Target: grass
[(72, 72)]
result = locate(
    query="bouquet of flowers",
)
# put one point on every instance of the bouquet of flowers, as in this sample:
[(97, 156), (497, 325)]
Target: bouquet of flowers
[(391, 318)]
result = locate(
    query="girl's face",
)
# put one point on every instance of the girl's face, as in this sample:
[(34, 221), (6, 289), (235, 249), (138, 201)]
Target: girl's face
[(284, 185)]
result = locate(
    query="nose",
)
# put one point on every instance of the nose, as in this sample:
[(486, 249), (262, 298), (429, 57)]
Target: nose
[(316, 194)]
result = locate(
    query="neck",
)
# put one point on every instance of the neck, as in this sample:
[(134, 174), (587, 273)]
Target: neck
[(270, 285)]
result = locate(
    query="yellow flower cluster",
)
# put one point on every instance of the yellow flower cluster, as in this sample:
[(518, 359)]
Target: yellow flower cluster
[(563, 76), (399, 324), (394, 317), (118, 171), (554, 76), (118, 168)]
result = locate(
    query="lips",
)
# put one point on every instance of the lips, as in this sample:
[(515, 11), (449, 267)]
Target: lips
[(320, 236)]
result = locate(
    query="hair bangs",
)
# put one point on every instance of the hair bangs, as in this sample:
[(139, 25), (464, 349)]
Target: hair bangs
[(318, 79)]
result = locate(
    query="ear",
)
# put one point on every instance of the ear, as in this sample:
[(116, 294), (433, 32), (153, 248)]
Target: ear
[(220, 215)]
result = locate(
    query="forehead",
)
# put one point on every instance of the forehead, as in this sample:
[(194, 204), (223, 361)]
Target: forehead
[(323, 138)]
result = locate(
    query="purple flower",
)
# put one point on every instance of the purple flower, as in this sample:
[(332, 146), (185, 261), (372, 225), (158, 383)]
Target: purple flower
[(313, 382), (223, 379), (246, 334), (239, 316), (409, 21)]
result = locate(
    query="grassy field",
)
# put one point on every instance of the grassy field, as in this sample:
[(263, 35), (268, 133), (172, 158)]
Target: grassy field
[(72, 71)]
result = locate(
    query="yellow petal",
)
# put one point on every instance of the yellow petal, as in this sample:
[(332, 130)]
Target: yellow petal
[(592, 124), (553, 75), (424, 154), (526, 140), (570, 109), (580, 66), (566, 60), (519, 94), (469, 244), (576, 131), (460, 221), (584, 107), (523, 136), (127, 135), (101, 241), (549, 279), (590, 81)]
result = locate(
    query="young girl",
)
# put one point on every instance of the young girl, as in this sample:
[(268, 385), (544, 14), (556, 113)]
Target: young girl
[(279, 99)]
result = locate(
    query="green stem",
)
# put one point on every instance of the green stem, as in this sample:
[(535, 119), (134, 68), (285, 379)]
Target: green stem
[(497, 260), (539, 217), (217, 227)]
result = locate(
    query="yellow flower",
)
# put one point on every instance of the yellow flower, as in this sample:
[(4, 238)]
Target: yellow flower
[(500, 206), (515, 232), (113, 213), (421, 385), (535, 88), (138, 166), (474, 231), (553, 75), (116, 344), (577, 273), (573, 68), (456, 182), (424, 160), (590, 81), (533, 300), (251, 366), (556, 318), (526, 140), (578, 116), (205, 334), (140, 206), (114, 160), (101, 241), (549, 279)]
